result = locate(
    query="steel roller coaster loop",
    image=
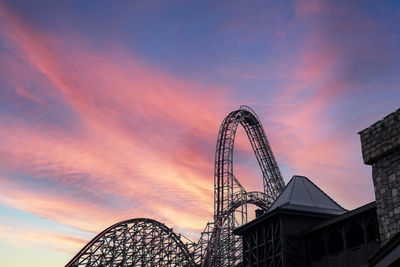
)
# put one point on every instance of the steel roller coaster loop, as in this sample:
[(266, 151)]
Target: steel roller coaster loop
[(146, 242), (230, 198)]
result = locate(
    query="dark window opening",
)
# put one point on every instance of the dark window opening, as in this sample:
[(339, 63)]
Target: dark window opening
[(317, 247), (335, 242), (355, 235), (372, 231)]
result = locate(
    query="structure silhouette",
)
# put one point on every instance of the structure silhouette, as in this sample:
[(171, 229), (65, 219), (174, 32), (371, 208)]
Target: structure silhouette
[(146, 242)]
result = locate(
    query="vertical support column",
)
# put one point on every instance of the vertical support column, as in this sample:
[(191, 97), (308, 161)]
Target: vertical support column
[(381, 148)]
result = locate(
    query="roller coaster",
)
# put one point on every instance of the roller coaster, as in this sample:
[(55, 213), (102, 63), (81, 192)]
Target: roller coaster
[(146, 242)]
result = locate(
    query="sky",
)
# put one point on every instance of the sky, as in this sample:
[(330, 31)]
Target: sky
[(110, 110)]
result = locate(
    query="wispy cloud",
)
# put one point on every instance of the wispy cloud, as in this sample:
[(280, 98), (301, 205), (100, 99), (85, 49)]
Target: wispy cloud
[(131, 142), (31, 238), (95, 134)]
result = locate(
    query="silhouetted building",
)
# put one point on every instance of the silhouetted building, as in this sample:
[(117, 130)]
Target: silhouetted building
[(381, 148), (305, 227)]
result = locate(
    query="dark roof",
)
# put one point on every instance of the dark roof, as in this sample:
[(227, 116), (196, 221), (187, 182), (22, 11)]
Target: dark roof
[(279, 212), (302, 195), (342, 217), (299, 197)]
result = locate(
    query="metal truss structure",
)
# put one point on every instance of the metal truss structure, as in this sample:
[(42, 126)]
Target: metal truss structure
[(136, 242), (230, 198), (146, 242)]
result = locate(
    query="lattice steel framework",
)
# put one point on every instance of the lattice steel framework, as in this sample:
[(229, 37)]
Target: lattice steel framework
[(230, 198), (146, 242), (135, 242)]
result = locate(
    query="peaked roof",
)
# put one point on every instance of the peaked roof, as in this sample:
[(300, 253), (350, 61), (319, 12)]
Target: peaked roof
[(301, 194)]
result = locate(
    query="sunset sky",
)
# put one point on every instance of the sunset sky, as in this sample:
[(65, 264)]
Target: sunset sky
[(110, 110)]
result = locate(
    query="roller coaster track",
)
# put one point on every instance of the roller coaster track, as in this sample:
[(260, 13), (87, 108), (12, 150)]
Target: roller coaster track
[(230, 198), (146, 242), (135, 242)]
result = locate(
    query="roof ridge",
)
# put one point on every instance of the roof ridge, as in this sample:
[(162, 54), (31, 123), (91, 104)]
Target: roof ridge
[(302, 192), (309, 193), (325, 193), (290, 189)]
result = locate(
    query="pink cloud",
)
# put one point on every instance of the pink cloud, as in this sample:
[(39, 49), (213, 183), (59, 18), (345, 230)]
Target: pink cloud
[(305, 129), (124, 146), (143, 131), (305, 121), (306, 8)]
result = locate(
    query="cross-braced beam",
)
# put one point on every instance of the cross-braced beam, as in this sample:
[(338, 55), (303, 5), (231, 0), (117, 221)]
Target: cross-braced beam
[(146, 242), (230, 198)]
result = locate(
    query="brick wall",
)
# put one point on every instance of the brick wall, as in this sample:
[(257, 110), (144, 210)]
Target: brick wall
[(380, 145)]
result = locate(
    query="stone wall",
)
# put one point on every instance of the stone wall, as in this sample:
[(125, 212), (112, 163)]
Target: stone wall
[(381, 148)]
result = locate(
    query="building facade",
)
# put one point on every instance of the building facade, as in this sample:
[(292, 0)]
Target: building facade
[(305, 227), (381, 149)]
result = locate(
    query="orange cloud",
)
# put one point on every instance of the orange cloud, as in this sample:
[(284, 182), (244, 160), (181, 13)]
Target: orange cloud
[(137, 147), (125, 146), (33, 238)]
